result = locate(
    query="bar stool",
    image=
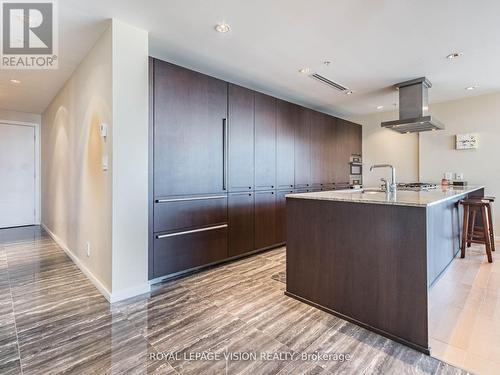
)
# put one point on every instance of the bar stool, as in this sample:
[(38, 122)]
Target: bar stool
[(472, 232)]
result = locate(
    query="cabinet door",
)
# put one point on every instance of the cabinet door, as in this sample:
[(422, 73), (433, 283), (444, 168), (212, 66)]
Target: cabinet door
[(281, 215), (342, 152), (241, 223), (241, 138), (286, 122), (189, 113), (265, 219), (320, 150), (303, 149), (265, 142)]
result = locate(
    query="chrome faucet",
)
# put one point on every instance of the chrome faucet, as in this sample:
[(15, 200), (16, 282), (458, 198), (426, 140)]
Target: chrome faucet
[(391, 188)]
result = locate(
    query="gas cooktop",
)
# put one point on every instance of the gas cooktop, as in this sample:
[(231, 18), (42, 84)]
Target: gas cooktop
[(417, 186)]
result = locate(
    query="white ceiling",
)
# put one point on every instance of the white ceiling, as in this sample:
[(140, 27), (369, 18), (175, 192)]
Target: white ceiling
[(372, 44)]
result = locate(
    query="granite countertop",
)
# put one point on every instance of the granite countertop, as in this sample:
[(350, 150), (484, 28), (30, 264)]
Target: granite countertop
[(401, 198)]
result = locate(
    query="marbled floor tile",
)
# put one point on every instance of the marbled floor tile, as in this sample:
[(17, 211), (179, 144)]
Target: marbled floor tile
[(9, 350), (302, 368), (42, 329), (64, 325), (277, 255), (245, 340), (107, 344)]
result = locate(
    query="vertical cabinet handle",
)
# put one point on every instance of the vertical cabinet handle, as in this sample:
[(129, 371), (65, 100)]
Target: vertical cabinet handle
[(224, 154)]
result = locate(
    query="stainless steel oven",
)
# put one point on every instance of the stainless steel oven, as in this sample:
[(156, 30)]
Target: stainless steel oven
[(355, 171)]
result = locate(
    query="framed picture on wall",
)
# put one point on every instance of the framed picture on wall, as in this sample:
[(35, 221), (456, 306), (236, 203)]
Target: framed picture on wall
[(466, 141)]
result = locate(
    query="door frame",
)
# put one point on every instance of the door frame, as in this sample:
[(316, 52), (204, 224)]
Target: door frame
[(38, 208)]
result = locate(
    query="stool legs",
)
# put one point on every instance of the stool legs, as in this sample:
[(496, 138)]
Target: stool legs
[(490, 226), (487, 234), (471, 228), (465, 231)]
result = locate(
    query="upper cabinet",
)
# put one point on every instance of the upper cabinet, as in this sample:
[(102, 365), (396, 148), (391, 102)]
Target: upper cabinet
[(190, 111), (265, 142), (303, 148), (348, 142), (287, 118), (241, 138), (322, 144)]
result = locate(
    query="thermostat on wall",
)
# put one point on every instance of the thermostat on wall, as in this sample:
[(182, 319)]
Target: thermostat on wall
[(466, 141)]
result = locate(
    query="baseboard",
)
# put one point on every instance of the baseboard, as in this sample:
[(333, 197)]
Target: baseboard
[(94, 280), (129, 292)]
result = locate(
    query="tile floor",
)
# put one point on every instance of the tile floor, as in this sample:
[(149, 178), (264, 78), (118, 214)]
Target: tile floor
[(52, 321), (464, 313)]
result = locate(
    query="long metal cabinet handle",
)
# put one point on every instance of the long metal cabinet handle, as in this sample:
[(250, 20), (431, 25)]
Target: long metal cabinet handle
[(191, 231), (190, 199), (224, 154)]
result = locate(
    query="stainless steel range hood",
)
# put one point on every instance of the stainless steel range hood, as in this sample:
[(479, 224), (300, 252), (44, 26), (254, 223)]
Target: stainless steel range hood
[(413, 108)]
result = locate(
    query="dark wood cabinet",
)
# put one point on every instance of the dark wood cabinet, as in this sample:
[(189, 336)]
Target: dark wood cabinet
[(184, 251), (281, 215), (342, 151), (287, 118), (265, 142), (223, 159), (321, 145), (241, 138), (241, 223), (303, 148), (265, 219), (189, 111), (192, 212), (347, 142)]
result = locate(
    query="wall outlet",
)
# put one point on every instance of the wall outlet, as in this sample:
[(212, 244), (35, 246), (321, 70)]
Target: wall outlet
[(88, 249), (104, 163)]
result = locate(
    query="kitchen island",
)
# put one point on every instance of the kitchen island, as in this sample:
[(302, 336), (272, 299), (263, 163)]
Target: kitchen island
[(370, 257)]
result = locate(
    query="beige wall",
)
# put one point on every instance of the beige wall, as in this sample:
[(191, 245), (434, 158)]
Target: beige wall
[(76, 192), (427, 156), (81, 201)]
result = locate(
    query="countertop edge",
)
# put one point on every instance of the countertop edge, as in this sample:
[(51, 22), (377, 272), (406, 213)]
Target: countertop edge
[(405, 204)]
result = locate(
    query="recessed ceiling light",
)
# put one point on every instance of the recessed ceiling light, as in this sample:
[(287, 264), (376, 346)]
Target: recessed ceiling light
[(305, 70), (380, 107), (470, 88), (222, 27), (349, 92), (454, 55), (15, 81)]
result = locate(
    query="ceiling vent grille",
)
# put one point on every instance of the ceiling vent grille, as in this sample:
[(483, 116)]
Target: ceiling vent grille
[(329, 82)]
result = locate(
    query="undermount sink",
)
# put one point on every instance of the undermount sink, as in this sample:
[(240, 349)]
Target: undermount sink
[(373, 191)]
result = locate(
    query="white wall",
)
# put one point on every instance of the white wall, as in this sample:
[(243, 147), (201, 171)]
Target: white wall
[(382, 146), (76, 192), (427, 156), (130, 160), (20, 116), (81, 201)]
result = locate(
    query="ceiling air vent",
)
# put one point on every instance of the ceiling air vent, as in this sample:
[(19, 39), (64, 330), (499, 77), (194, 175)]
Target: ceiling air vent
[(329, 82)]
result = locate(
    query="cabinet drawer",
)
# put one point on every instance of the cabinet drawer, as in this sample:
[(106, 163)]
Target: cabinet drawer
[(179, 213), (180, 251)]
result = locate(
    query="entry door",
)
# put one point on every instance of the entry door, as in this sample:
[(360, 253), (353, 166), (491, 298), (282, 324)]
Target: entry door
[(17, 175)]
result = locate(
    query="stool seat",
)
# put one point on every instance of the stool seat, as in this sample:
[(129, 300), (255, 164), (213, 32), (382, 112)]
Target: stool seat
[(474, 232)]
